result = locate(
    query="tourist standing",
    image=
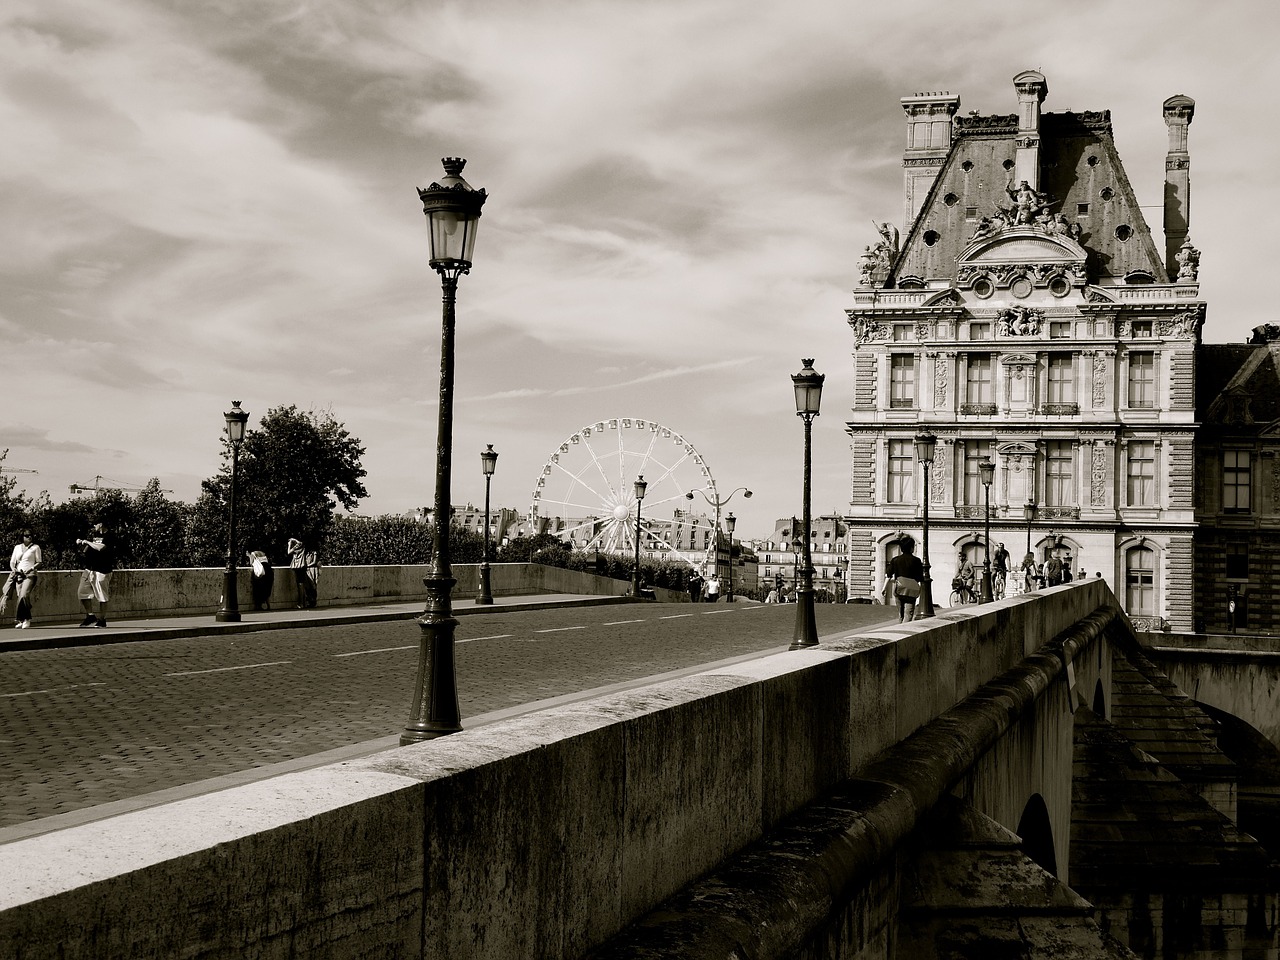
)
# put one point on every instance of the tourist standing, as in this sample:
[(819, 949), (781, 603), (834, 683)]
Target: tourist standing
[(23, 564), (306, 571), (95, 581)]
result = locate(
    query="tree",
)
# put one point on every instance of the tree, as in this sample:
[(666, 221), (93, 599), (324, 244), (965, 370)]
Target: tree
[(294, 471)]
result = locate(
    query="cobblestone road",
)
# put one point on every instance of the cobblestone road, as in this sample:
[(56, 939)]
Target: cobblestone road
[(86, 726)]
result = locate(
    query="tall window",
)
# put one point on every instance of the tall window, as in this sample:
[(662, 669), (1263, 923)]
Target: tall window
[(1140, 582), (901, 471), (1142, 473), (1062, 378), (978, 379), (1142, 379), (1059, 474), (975, 451), (902, 380), (1236, 481)]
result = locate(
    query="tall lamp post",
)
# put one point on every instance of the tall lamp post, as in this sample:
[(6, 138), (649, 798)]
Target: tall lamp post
[(452, 209), (987, 471), (640, 487), (1029, 514), (230, 612), (730, 522), (808, 388), (488, 463), (926, 445)]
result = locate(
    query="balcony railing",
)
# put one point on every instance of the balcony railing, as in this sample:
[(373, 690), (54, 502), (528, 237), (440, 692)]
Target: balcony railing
[(1060, 409), (978, 409)]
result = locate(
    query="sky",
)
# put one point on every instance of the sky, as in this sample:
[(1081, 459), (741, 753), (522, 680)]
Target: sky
[(216, 201)]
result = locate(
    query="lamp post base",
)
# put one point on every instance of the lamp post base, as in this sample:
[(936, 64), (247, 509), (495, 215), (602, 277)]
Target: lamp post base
[(230, 612), (806, 632), (435, 695), (485, 596), (925, 606)]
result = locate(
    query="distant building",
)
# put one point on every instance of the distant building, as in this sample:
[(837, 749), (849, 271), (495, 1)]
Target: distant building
[(779, 558), (1029, 316), (1238, 483)]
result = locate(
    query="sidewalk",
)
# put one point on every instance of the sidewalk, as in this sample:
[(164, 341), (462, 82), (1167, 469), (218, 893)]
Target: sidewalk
[(59, 635)]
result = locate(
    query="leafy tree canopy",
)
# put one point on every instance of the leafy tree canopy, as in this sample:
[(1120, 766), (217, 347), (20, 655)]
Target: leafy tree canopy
[(294, 471)]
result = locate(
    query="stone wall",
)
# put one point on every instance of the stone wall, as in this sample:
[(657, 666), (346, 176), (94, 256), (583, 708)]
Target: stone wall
[(189, 592), (536, 837)]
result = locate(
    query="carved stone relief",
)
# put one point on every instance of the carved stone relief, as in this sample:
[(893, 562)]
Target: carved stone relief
[(1180, 327), (1099, 380), (1098, 484), (865, 330), (940, 364)]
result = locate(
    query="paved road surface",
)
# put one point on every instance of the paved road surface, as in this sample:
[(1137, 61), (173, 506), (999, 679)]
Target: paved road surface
[(112, 724)]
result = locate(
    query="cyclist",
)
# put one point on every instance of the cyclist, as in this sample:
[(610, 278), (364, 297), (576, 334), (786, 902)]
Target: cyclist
[(966, 577), (999, 570)]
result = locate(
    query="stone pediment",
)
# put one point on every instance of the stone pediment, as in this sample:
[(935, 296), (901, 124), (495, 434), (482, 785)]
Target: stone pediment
[(1031, 245), (1021, 258)]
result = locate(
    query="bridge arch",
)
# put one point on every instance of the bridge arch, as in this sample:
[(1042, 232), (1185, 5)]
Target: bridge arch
[(1036, 833)]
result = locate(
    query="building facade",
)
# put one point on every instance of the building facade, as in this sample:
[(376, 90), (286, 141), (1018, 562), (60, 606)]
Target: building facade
[(1237, 545), (1029, 317)]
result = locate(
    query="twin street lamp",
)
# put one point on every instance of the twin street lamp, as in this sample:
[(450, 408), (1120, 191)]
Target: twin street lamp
[(452, 209), (730, 522), (230, 612)]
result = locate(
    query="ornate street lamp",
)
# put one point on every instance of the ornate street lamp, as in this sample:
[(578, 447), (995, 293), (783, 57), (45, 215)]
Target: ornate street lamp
[(987, 471), (730, 522), (452, 209), (808, 388), (926, 445), (488, 463), (640, 487), (230, 612)]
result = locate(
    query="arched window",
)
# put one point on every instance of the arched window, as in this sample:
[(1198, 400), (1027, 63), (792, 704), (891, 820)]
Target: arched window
[(1140, 582)]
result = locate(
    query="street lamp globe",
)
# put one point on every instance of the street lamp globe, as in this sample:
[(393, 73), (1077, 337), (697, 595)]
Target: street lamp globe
[(808, 388), (236, 420), (452, 209)]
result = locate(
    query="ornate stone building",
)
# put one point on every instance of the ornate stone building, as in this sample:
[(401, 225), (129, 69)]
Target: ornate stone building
[(1028, 316)]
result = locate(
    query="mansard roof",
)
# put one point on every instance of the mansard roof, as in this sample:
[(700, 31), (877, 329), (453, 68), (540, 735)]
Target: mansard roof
[(1080, 171), (1238, 385)]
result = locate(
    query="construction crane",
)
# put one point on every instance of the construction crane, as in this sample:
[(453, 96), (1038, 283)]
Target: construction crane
[(115, 486), (17, 470)]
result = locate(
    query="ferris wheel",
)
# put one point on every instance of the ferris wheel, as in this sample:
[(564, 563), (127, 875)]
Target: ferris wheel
[(586, 494)]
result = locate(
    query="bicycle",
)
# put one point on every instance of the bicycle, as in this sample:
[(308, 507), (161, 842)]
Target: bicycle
[(998, 585), (961, 593)]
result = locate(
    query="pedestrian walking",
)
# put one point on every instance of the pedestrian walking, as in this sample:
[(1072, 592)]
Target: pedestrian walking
[(905, 572), (713, 589), (23, 564), (306, 572), (1053, 571), (695, 587), (95, 580), (261, 580)]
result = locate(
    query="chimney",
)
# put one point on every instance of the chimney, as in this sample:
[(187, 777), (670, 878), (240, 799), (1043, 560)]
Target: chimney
[(1032, 89), (928, 142), (1178, 112)]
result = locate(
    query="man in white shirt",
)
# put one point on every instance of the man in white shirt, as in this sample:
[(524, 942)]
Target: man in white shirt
[(23, 564)]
